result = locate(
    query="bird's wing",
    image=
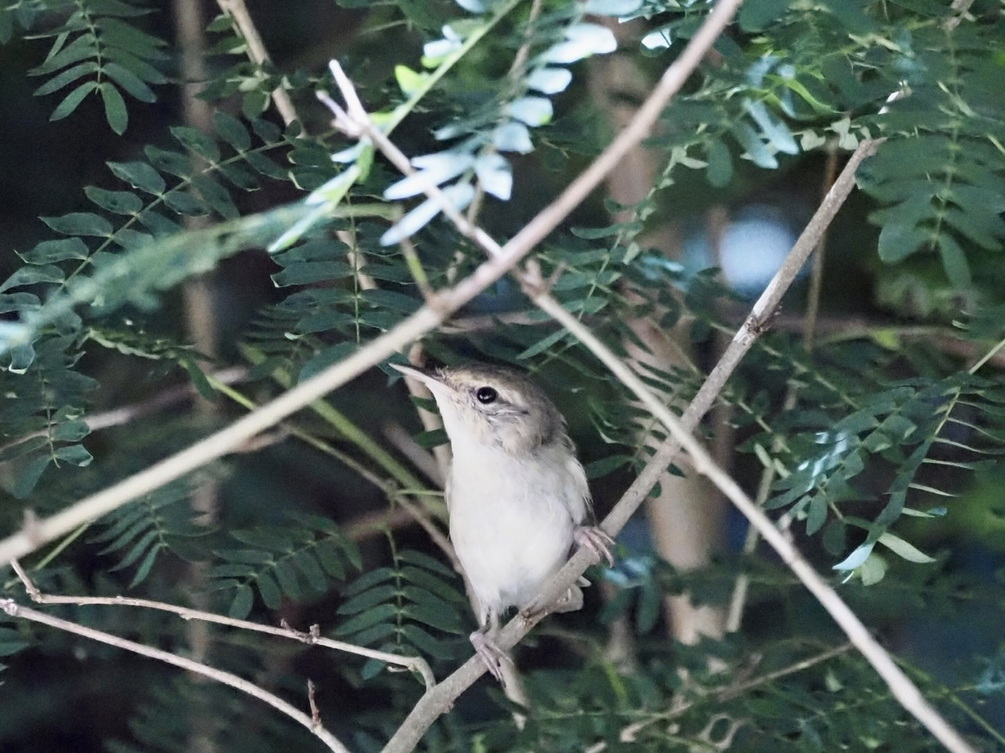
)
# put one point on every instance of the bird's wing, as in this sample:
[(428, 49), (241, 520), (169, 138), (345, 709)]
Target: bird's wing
[(580, 505)]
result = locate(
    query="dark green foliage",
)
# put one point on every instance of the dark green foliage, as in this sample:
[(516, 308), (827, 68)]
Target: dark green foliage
[(941, 179), (289, 562), (96, 50), (878, 438), (405, 609), (159, 522), (41, 413)]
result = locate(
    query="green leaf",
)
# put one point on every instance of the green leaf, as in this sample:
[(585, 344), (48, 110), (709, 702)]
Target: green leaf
[(246, 556), (244, 600), (903, 549), (68, 76), (117, 202), (720, 164), (409, 81), (63, 249), (71, 431), (76, 454), (427, 644), (22, 448), (325, 358), (432, 583), (265, 166), (330, 558), (21, 358), (369, 599), (138, 549), (197, 141), (232, 130), (130, 82), (29, 476), (434, 616), (286, 575), (139, 175), (898, 241), (169, 161), (185, 203), (73, 100), (216, 196), (369, 580), (115, 108), (817, 514), (80, 223), (856, 558), (270, 592), (426, 562), (83, 47), (145, 566), (240, 176), (367, 619), (600, 468), (308, 565), (756, 15), (954, 261), (32, 275)]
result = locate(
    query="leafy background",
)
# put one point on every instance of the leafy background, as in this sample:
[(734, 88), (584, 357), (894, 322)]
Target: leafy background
[(115, 208)]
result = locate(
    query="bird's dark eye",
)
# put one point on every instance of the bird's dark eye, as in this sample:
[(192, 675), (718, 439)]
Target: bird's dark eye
[(486, 395)]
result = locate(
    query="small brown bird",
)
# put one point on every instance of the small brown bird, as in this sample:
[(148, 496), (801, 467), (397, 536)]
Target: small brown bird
[(517, 496)]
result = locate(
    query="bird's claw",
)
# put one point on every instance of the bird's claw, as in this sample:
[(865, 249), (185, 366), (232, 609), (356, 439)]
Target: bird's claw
[(491, 655), (597, 541)]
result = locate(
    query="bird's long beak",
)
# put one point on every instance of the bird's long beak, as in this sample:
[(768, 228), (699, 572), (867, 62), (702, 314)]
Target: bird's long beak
[(428, 378)]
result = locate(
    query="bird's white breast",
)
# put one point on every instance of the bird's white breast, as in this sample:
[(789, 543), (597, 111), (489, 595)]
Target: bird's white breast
[(512, 521)]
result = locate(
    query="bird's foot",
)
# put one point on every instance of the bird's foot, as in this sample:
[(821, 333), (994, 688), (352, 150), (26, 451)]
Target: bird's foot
[(597, 541), (490, 653), (571, 602)]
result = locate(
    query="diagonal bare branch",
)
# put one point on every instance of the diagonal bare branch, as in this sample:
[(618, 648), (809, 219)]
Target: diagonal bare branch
[(17, 611)]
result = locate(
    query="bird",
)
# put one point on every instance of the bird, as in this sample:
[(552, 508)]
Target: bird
[(517, 496)]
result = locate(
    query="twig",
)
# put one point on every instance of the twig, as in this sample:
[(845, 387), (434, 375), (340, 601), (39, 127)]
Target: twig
[(421, 516), (15, 610), (312, 638), (356, 259), (129, 413), (629, 733), (238, 11), (422, 459), (738, 599)]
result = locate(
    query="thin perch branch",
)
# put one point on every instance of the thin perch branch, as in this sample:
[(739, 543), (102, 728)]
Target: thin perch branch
[(238, 11), (15, 610), (312, 638)]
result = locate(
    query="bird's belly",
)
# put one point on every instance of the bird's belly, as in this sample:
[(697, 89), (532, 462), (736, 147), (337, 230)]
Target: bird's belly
[(511, 527)]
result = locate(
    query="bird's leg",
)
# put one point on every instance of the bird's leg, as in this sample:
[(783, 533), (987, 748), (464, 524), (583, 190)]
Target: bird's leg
[(597, 541), (485, 646)]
